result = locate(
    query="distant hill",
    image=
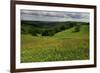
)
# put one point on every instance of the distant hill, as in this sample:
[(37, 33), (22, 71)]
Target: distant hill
[(47, 28)]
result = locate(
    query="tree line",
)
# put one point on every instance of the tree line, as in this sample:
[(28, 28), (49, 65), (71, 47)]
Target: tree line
[(42, 28)]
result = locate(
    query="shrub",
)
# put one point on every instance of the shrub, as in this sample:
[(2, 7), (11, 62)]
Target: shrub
[(62, 27), (77, 28), (48, 33)]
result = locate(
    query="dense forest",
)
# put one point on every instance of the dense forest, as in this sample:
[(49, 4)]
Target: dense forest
[(42, 28)]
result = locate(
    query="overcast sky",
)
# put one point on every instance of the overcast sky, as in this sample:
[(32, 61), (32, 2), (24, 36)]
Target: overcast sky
[(39, 15)]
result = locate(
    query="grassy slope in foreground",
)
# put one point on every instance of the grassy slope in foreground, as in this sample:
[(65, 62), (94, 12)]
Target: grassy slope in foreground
[(65, 45)]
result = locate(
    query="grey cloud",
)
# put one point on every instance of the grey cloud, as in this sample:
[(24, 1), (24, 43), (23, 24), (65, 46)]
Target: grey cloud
[(39, 15)]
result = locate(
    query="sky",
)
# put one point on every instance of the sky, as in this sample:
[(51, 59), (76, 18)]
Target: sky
[(60, 16)]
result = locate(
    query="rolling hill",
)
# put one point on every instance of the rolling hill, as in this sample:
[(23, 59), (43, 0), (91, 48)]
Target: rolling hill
[(63, 46)]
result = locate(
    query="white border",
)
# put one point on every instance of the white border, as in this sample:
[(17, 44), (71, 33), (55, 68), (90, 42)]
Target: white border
[(53, 64)]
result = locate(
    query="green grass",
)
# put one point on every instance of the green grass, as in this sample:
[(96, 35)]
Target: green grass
[(65, 45)]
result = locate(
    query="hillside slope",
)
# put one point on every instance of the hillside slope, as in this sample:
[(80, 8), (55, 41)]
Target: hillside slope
[(69, 33), (63, 46)]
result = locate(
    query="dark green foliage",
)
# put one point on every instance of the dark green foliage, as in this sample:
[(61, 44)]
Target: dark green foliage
[(77, 28), (48, 33), (33, 32), (62, 27), (48, 28), (45, 33)]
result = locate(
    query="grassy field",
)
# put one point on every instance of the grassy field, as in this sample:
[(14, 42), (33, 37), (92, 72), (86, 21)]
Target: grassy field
[(65, 45)]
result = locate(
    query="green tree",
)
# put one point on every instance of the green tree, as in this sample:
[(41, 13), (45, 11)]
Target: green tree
[(77, 27)]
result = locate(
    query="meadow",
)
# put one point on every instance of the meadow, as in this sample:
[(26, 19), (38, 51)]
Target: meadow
[(62, 46)]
